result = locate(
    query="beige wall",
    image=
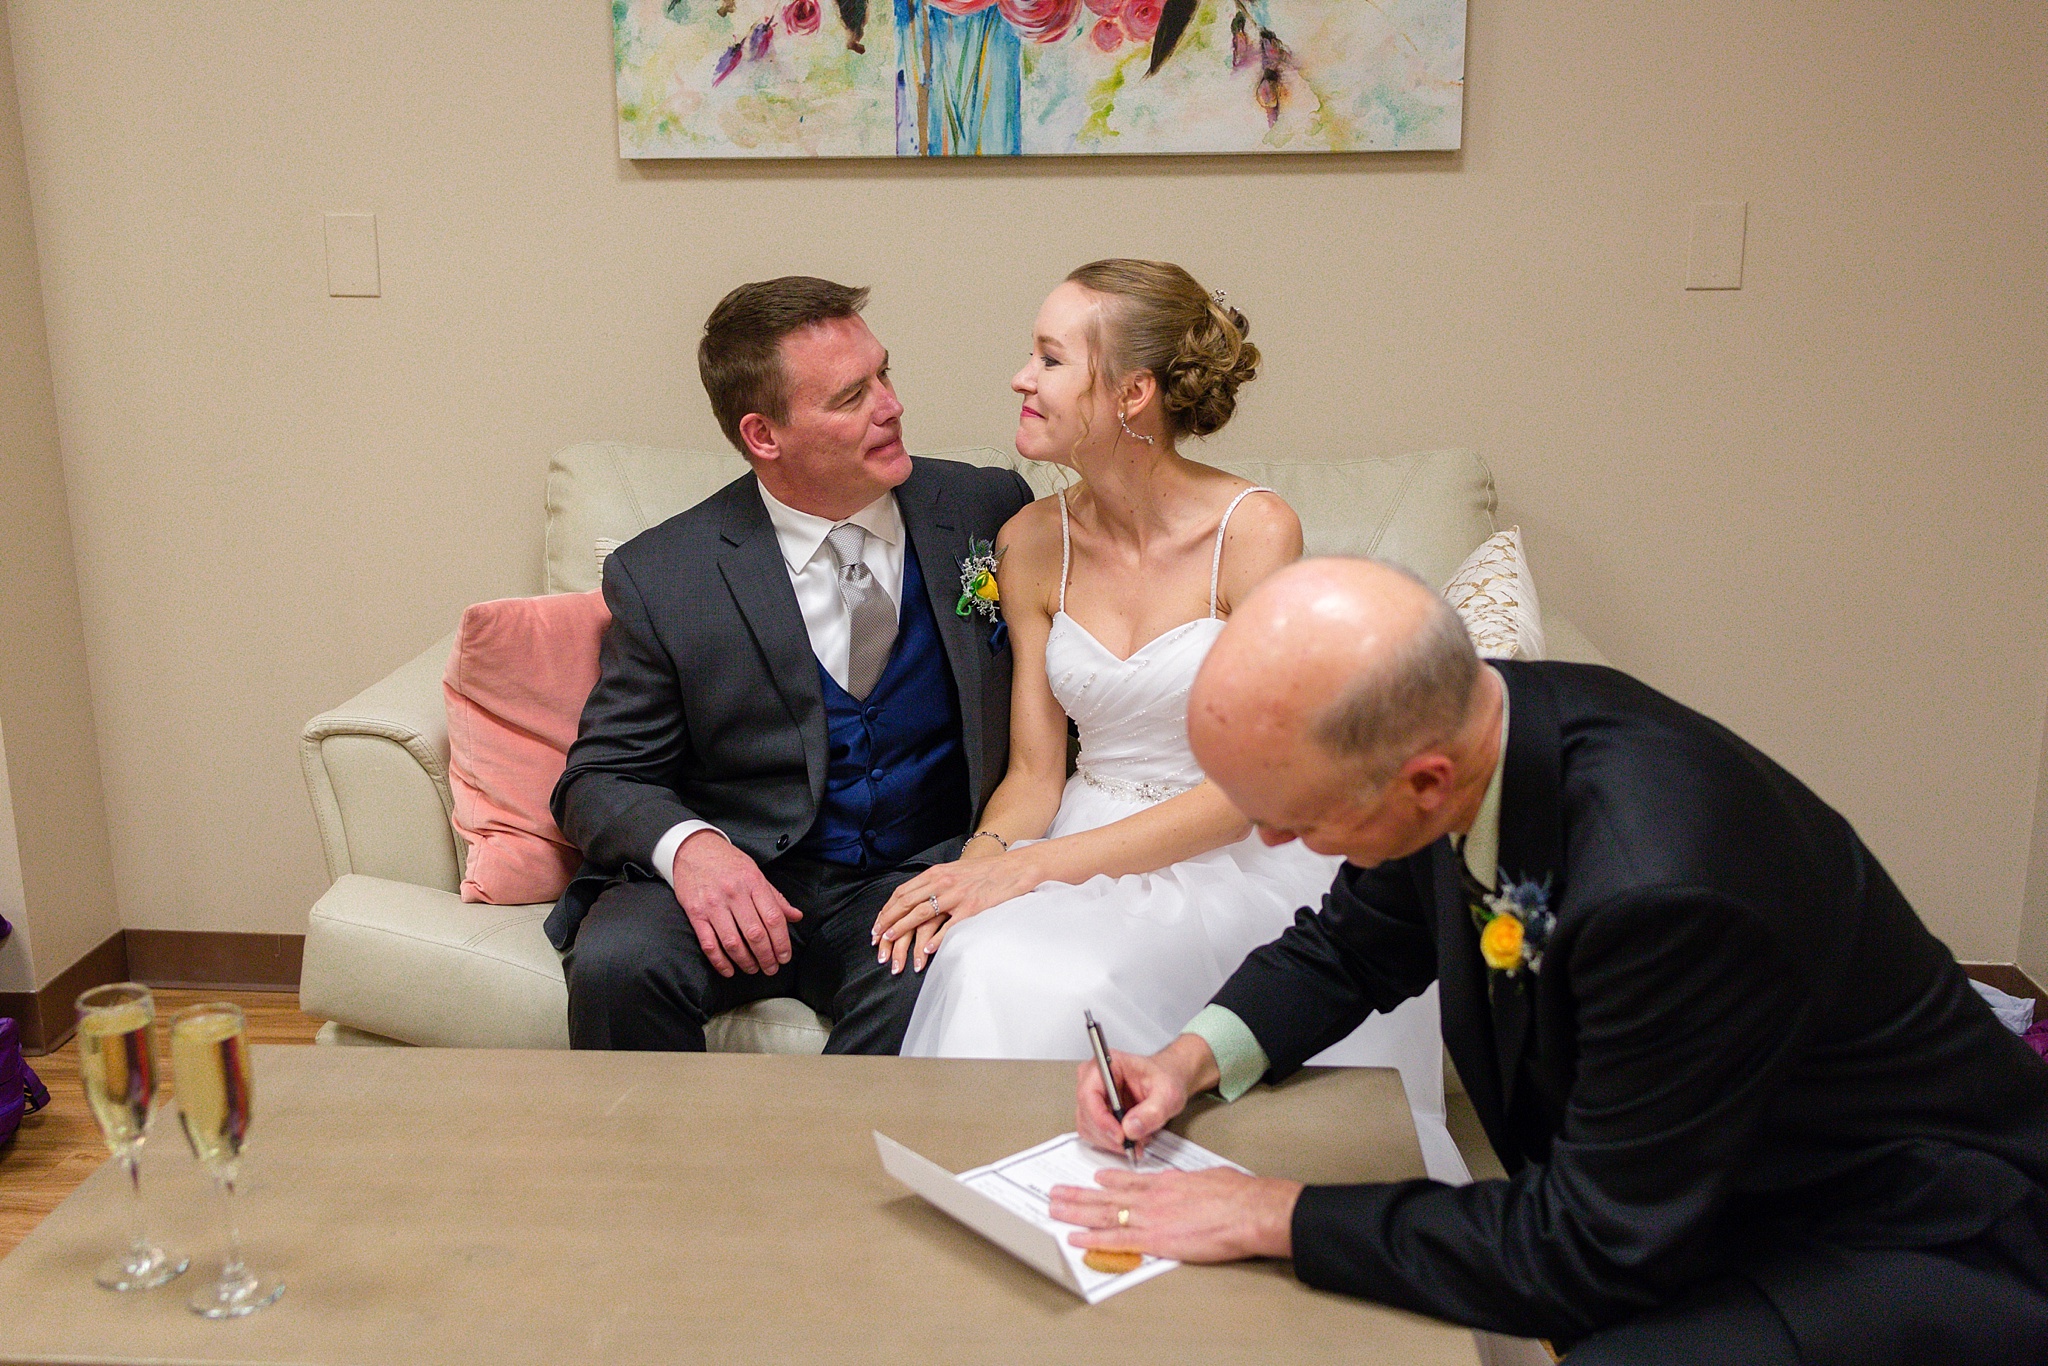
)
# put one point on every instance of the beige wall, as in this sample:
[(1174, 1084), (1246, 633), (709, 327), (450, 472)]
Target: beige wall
[(1813, 507), (2033, 945), (17, 961), (56, 878)]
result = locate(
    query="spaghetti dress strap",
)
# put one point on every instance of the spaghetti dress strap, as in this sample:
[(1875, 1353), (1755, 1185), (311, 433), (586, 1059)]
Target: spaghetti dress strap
[(1066, 552), (1215, 563)]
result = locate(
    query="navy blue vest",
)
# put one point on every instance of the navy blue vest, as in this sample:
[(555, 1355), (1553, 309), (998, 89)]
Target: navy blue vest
[(895, 776)]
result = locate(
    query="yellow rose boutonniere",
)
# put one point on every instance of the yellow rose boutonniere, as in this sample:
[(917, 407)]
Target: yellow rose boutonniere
[(980, 594), (978, 589), (1514, 924), (1500, 943)]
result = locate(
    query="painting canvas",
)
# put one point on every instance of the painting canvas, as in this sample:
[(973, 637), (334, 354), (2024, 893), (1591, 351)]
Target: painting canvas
[(876, 78)]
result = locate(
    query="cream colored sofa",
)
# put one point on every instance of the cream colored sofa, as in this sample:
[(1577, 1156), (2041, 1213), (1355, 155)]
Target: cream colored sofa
[(393, 955)]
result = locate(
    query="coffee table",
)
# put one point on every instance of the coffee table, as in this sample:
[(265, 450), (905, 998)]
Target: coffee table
[(444, 1205)]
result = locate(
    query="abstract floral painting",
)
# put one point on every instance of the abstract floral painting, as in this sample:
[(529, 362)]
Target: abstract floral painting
[(877, 78)]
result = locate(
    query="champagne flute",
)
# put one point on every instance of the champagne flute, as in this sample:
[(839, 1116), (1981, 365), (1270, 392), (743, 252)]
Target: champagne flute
[(117, 1062), (210, 1061)]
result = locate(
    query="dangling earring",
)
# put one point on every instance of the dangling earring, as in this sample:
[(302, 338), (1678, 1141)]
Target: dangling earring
[(1135, 436)]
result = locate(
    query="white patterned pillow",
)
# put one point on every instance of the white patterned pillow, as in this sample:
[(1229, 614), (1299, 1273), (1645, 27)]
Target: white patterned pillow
[(1495, 595)]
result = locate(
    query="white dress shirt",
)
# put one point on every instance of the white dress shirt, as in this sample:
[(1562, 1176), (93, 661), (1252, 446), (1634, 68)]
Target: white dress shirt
[(801, 538)]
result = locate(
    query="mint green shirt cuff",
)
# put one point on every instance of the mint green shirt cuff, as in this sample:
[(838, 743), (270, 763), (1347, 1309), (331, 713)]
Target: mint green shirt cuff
[(1240, 1062)]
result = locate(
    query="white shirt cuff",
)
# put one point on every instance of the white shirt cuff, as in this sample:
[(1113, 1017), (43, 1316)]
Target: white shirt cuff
[(665, 847)]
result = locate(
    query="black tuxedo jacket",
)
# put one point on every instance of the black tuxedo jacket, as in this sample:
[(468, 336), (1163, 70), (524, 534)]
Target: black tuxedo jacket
[(707, 704), (1742, 1046)]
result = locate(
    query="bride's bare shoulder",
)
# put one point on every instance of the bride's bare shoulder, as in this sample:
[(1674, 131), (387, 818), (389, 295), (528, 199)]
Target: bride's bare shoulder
[(1257, 519), (1029, 545), (1264, 516), (1034, 527), (1264, 535)]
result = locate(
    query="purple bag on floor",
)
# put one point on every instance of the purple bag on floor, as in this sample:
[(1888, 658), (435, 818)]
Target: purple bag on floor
[(21, 1091), (2038, 1038)]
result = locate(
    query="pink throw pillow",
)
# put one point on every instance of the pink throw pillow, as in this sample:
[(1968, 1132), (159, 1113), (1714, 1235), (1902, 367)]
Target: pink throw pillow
[(515, 687)]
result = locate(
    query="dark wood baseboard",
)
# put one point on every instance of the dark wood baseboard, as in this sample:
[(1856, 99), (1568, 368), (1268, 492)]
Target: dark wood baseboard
[(2011, 979), (47, 1017), (210, 958), (157, 958)]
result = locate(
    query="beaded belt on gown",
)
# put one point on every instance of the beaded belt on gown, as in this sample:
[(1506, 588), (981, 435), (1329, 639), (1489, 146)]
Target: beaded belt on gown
[(1137, 792)]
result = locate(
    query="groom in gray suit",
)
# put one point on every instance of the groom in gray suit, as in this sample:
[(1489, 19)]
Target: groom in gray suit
[(790, 717)]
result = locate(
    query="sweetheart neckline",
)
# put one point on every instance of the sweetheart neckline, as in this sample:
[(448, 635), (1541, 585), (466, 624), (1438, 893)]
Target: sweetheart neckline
[(1125, 659)]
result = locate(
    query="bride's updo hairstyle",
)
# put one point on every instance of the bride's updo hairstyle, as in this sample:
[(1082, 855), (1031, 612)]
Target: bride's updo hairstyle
[(1156, 317)]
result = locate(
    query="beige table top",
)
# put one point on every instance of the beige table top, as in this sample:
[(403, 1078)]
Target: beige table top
[(431, 1205)]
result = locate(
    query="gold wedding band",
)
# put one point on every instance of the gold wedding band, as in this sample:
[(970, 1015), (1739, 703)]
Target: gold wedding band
[(1123, 1218)]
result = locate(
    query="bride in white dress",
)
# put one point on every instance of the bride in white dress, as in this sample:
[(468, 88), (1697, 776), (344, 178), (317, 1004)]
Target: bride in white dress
[(1132, 888)]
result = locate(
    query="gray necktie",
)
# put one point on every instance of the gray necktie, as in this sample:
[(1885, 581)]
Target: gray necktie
[(869, 613)]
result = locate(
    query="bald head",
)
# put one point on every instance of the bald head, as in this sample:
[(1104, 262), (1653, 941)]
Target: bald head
[(1328, 680)]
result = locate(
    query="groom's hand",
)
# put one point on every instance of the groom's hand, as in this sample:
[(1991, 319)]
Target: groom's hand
[(741, 921), (1155, 1089)]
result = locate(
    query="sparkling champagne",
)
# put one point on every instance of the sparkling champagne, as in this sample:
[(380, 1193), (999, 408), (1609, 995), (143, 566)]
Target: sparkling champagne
[(117, 1060), (117, 1063), (210, 1052), (210, 1057)]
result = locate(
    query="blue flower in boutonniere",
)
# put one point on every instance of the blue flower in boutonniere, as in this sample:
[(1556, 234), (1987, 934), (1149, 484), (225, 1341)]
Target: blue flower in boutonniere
[(1514, 925), (979, 595)]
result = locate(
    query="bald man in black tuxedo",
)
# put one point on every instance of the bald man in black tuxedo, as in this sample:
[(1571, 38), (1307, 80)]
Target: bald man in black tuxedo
[(1751, 1110)]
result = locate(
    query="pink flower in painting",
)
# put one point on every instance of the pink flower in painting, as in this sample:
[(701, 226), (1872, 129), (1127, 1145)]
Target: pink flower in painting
[(800, 17), (759, 38), (727, 60), (1106, 8), (962, 7), (1270, 93), (1107, 35), (1042, 21), (1240, 44), (1141, 19)]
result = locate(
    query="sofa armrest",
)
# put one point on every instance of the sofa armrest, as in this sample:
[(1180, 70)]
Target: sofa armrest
[(1564, 641), (377, 770), (416, 965)]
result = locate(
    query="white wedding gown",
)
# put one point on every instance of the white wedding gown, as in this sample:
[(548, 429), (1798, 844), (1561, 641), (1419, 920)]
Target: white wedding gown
[(1146, 951)]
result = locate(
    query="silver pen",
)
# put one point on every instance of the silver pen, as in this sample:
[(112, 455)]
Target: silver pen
[(1116, 1098)]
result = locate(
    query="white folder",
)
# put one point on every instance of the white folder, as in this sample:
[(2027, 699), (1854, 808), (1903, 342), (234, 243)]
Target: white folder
[(1017, 1217), (1036, 1247)]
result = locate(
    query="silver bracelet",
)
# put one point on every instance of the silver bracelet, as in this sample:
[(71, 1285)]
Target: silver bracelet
[(985, 834)]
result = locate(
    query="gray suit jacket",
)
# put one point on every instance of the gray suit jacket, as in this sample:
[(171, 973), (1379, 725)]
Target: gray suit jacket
[(707, 704)]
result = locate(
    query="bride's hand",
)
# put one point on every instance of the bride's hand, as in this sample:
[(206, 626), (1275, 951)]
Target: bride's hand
[(942, 894), (924, 942)]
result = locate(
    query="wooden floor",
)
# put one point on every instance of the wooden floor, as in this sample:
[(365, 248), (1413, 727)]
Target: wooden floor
[(61, 1146)]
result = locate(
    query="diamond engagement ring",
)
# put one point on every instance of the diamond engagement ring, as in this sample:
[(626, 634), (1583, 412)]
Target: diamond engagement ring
[(1123, 1218), (935, 905)]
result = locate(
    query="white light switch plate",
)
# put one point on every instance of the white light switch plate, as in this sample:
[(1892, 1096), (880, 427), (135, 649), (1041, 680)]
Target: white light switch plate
[(352, 256), (1717, 232)]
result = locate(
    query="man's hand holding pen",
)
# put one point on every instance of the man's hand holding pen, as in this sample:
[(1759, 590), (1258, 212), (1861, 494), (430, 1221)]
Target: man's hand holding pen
[(1112, 1094), (1213, 1216), (1155, 1089)]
